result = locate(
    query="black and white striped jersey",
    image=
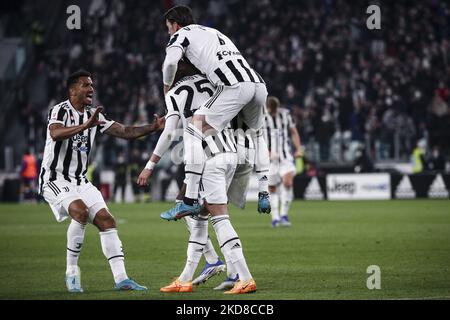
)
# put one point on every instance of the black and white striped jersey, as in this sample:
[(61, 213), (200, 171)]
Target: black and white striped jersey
[(278, 133), (244, 136), (214, 54), (185, 97), (68, 159)]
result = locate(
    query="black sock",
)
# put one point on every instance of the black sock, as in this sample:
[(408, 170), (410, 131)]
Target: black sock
[(189, 201)]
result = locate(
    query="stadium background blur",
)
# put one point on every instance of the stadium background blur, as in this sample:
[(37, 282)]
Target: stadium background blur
[(363, 100)]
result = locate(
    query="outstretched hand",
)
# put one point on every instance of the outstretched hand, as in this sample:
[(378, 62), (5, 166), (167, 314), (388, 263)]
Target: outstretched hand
[(143, 177), (298, 153), (93, 121), (158, 123)]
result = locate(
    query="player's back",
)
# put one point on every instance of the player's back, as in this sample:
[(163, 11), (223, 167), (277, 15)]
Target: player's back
[(278, 132), (187, 95), (214, 54)]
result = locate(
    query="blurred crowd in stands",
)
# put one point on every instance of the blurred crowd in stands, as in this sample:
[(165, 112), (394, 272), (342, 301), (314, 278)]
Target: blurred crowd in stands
[(354, 93)]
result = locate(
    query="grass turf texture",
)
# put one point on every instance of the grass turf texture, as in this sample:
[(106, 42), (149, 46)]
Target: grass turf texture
[(324, 255)]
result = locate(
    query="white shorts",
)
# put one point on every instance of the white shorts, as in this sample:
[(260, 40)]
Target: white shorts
[(60, 194), (237, 192), (216, 178), (278, 170), (228, 101)]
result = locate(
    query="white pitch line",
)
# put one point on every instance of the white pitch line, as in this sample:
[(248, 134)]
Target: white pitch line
[(423, 298)]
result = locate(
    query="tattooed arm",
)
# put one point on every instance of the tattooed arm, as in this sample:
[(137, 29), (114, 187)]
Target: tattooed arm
[(129, 133)]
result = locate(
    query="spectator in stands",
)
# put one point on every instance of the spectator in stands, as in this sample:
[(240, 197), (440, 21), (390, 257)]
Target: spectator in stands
[(29, 175), (363, 162), (418, 157), (319, 56), (138, 161), (436, 161), (120, 179)]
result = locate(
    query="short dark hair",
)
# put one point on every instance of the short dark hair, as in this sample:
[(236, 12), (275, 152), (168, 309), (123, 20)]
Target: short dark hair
[(74, 77), (185, 69), (181, 15)]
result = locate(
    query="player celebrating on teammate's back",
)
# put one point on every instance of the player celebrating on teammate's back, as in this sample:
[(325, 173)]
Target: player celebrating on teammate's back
[(189, 91), (72, 127), (182, 100), (238, 87)]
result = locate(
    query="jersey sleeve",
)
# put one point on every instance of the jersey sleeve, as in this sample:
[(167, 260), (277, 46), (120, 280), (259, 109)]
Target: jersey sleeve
[(166, 137), (58, 114), (291, 122), (172, 105), (180, 40), (107, 123)]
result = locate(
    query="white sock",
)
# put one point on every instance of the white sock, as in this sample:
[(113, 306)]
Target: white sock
[(112, 249), (209, 252), (194, 158), (286, 195), (262, 162), (263, 180), (275, 205), (75, 239), (197, 240), (230, 245), (231, 270)]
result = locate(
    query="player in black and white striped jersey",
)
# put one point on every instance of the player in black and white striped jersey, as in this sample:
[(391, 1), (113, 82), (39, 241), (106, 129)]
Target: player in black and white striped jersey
[(71, 130), (281, 136), (67, 159), (189, 92), (238, 88)]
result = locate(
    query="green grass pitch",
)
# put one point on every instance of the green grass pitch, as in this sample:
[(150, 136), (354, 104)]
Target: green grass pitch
[(324, 255)]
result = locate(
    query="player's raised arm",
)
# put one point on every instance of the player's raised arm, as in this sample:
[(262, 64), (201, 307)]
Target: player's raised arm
[(295, 138), (161, 148), (59, 132), (170, 66), (133, 132)]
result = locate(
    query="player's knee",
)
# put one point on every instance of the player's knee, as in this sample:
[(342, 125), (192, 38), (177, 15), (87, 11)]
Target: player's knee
[(80, 213), (104, 221), (288, 181), (272, 189), (288, 184)]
